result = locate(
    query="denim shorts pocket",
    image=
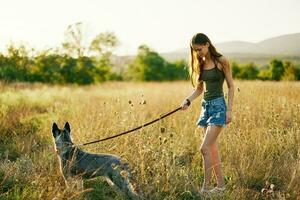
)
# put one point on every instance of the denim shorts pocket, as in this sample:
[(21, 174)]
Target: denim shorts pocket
[(218, 107)]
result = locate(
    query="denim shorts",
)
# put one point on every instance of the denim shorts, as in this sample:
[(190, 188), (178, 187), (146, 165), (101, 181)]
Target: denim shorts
[(213, 112)]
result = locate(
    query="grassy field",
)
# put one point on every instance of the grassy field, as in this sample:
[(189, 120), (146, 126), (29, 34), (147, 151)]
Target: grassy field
[(261, 144)]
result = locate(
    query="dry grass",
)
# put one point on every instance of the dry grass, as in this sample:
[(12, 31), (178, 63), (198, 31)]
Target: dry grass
[(261, 144)]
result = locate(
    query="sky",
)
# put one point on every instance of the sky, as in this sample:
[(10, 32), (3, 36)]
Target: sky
[(163, 25)]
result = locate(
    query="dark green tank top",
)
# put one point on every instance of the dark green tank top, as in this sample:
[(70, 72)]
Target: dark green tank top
[(214, 79)]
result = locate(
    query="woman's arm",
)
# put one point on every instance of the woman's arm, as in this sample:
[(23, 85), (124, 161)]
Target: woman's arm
[(229, 80), (197, 92), (194, 95)]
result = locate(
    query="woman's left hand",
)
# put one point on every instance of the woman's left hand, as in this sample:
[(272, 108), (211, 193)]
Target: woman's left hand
[(228, 117)]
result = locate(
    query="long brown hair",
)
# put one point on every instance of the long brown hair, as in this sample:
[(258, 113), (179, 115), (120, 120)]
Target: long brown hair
[(196, 64)]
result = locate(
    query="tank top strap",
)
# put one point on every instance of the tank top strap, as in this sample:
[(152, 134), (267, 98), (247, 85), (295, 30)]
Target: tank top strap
[(216, 66), (215, 63)]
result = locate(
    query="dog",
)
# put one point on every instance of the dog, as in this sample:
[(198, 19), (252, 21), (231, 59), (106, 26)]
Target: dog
[(75, 162)]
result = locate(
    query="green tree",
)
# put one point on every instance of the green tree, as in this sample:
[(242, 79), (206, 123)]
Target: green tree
[(147, 66), (297, 72), (80, 70), (103, 68), (248, 71), (47, 68), (69, 69), (277, 69), (177, 70), (235, 69), (73, 43), (104, 43), (85, 71), (265, 74), (289, 72), (15, 66)]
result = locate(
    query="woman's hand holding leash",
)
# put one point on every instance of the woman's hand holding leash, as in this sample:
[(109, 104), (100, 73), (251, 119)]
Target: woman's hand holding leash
[(185, 104)]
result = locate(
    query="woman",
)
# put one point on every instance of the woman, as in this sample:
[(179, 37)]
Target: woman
[(210, 67)]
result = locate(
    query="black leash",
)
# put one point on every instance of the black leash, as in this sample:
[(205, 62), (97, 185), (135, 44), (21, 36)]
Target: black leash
[(126, 132)]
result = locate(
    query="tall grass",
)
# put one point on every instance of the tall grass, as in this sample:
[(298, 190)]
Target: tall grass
[(261, 144)]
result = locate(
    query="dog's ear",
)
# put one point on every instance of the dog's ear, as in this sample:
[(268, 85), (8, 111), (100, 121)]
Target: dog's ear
[(55, 130), (67, 127)]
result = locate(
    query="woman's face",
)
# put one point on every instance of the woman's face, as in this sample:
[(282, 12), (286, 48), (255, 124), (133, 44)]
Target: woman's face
[(201, 49)]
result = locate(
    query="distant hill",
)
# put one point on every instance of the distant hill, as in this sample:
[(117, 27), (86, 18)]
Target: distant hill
[(281, 45), (284, 47)]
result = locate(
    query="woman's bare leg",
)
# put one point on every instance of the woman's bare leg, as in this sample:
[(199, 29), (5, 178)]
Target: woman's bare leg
[(206, 164), (210, 138), (216, 163)]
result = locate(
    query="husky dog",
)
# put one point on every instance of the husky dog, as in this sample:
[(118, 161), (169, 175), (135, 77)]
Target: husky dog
[(75, 162)]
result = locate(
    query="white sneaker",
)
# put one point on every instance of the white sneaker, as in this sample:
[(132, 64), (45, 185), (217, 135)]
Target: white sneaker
[(205, 192), (217, 190)]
